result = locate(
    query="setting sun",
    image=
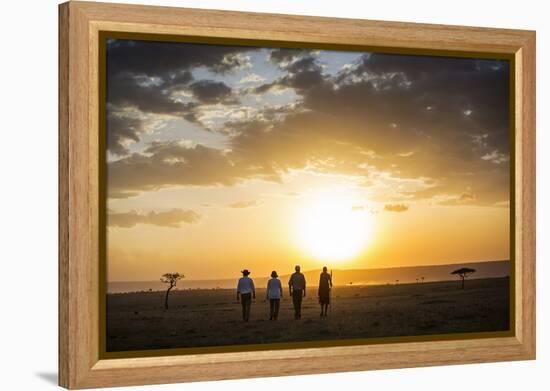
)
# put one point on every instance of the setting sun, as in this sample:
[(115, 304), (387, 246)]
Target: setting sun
[(221, 158), (332, 229)]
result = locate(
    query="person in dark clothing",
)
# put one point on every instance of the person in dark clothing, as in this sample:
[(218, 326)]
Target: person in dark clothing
[(297, 289), (245, 293), (325, 285)]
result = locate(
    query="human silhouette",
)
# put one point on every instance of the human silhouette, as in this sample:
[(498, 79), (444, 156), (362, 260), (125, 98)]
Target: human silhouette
[(297, 289), (245, 293), (325, 285), (274, 295)]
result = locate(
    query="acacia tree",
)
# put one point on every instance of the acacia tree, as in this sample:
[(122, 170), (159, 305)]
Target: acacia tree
[(463, 273), (171, 279)]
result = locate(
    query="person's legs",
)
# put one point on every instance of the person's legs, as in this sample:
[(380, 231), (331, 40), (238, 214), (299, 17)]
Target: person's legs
[(324, 299), (248, 305), (299, 304), (245, 303), (243, 306), (295, 295), (276, 304), (271, 308)]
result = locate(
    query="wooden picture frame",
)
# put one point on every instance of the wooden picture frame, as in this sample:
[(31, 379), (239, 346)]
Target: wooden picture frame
[(80, 24)]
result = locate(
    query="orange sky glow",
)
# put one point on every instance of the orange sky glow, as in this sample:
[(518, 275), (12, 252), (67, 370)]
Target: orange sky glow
[(224, 157)]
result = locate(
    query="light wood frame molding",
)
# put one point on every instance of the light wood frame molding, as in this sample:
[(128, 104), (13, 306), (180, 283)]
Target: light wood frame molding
[(80, 365)]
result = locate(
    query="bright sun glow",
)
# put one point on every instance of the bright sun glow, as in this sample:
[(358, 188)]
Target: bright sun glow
[(330, 228)]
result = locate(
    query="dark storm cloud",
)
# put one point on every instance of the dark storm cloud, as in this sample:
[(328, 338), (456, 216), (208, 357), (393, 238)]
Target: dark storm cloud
[(122, 130), (171, 219), (180, 78), (210, 91), (168, 58), (164, 164), (438, 118), (283, 57), (473, 92), (147, 77), (302, 71), (442, 119), (125, 90)]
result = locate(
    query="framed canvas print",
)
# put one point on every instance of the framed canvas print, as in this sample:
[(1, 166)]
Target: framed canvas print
[(247, 195)]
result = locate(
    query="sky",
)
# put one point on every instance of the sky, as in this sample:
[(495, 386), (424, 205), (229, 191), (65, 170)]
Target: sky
[(221, 158)]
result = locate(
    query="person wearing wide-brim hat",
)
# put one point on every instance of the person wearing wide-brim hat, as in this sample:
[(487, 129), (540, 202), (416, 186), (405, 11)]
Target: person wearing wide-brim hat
[(245, 293), (274, 295)]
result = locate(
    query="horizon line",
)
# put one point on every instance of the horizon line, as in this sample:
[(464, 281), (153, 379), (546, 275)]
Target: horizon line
[(313, 270)]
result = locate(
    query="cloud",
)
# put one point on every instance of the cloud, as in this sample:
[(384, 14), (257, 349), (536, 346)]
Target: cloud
[(170, 219), (396, 208), (233, 61), (283, 57), (495, 157), (252, 78), (244, 204), (210, 91), (122, 131), (155, 77), (466, 197), (125, 91), (153, 58), (370, 118), (127, 127), (302, 71), (345, 122), (170, 164), (177, 163)]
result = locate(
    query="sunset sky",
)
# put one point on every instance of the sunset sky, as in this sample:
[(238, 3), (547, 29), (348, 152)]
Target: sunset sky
[(224, 157)]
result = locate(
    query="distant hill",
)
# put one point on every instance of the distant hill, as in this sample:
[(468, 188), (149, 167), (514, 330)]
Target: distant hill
[(379, 276)]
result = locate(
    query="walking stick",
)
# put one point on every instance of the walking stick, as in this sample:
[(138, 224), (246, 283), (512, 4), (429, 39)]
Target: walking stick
[(330, 292)]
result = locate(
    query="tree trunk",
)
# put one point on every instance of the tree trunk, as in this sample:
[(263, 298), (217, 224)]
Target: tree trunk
[(463, 282), (166, 298)]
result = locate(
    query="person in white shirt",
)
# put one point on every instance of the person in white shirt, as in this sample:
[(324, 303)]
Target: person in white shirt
[(245, 293), (274, 295)]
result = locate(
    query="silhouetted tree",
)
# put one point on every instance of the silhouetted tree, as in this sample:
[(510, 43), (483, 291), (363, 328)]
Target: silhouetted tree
[(422, 278), (396, 282), (463, 273), (171, 279), (417, 280)]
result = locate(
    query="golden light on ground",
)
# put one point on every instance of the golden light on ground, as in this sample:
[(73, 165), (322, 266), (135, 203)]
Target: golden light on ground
[(331, 228)]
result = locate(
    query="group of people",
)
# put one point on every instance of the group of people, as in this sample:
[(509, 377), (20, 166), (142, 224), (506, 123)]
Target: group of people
[(274, 293)]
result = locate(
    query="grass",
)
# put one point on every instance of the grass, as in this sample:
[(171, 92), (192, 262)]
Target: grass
[(137, 321)]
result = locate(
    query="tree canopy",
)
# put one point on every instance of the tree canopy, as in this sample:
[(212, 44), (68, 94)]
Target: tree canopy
[(463, 273), (172, 279)]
